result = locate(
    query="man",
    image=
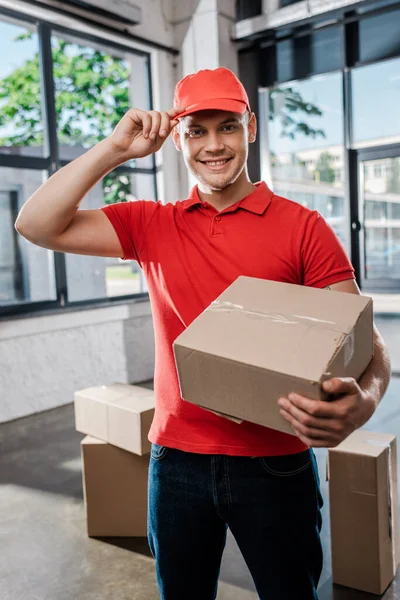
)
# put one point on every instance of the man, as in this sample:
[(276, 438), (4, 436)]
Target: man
[(206, 472)]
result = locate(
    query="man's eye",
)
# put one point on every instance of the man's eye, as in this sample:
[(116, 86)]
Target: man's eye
[(195, 132), (229, 128)]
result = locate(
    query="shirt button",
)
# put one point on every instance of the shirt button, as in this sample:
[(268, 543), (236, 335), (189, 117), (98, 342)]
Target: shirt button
[(217, 218)]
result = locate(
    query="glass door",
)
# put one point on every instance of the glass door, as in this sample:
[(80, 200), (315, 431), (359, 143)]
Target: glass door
[(379, 210)]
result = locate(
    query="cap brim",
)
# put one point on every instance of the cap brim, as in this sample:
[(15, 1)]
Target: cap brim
[(236, 106)]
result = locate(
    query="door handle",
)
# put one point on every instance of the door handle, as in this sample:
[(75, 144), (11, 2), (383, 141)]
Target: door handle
[(356, 225)]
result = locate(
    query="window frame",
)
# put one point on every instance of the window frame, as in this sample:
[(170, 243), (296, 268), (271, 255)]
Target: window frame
[(51, 161), (261, 72)]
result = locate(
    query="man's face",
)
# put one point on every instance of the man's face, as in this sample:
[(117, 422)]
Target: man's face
[(214, 145)]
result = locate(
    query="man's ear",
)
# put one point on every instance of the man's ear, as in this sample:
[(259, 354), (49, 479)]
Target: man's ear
[(176, 137), (252, 128)]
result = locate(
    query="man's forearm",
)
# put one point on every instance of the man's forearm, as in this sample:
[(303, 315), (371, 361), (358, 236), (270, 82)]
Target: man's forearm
[(51, 208), (376, 377)]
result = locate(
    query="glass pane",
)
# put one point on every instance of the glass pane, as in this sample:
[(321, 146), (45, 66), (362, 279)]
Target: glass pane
[(310, 54), (21, 127), (95, 85), (90, 277), (302, 134), (381, 203), (26, 271), (380, 36), (376, 100)]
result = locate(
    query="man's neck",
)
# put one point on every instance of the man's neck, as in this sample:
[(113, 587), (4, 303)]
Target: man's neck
[(220, 200)]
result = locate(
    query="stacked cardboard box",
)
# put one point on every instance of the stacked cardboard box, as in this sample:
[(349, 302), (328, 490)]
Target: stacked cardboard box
[(362, 473), (115, 456)]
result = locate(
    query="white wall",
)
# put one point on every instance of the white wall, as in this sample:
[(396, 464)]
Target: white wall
[(43, 360)]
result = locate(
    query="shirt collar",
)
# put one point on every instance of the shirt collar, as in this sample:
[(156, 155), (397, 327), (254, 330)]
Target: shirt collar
[(256, 202)]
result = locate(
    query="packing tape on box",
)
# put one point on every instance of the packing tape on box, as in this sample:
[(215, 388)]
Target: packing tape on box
[(223, 306), (391, 506)]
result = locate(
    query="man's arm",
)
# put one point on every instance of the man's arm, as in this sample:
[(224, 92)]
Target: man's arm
[(50, 218), (326, 424)]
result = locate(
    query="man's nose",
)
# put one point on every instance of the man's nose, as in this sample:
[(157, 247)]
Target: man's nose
[(213, 143)]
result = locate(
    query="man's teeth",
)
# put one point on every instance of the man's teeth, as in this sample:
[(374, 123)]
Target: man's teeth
[(216, 163)]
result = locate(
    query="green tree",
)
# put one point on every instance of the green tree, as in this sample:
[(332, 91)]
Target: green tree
[(324, 170), (92, 95), (288, 104)]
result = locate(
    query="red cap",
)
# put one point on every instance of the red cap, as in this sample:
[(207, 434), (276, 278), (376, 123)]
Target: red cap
[(217, 89)]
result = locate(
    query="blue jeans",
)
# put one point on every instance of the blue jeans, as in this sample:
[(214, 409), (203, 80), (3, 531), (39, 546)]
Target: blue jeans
[(272, 506)]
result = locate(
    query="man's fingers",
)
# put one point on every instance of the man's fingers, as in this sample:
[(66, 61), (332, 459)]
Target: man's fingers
[(155, 124), (310, 436), (165, 125), (146, 124), (303, 416), (341, 385), (172, 112)]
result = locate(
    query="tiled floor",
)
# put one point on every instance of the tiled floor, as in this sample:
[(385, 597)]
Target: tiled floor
[(45, 553)]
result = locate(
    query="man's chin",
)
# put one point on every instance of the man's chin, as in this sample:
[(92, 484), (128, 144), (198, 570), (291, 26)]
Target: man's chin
[(215, 183)]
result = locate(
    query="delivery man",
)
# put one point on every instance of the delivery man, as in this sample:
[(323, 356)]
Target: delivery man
[(208, 473)]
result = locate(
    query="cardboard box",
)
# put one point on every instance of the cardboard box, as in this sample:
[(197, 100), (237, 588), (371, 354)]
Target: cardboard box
[(115, 490), (363, 507), (261, 340), (118, 414)]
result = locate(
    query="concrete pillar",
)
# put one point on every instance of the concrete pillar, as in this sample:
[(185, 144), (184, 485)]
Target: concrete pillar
[(203, 30)]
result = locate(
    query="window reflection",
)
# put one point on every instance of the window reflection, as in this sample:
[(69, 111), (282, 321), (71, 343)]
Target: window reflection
[(21, 127), (305, 146), (376, 93), (26, 270), (381, 191)]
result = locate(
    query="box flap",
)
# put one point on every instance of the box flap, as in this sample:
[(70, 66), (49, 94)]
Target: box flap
[(367, 443), (114, 392), (136, 404), (90, 441)]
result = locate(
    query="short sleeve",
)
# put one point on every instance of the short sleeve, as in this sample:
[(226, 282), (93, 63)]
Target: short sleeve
[(324, 259), (130, 221)]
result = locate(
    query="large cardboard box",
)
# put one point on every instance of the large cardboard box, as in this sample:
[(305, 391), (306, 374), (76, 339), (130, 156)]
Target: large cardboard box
[(115, 490), (118, 414), (363, 506), (261, 340)]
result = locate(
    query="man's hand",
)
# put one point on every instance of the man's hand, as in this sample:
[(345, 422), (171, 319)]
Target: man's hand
[(324, 424), (140, 133)]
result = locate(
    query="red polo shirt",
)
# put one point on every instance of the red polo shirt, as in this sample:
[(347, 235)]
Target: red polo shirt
[(190, 254)]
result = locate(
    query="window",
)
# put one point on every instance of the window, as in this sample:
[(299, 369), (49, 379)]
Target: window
[(303, 125), (310, 54), (376, 115), (26, 271), (21, 125), (94, 83), (374, 45), (288, 2)]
